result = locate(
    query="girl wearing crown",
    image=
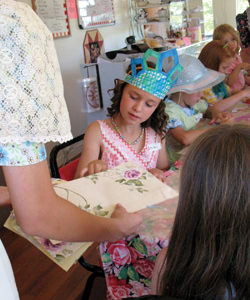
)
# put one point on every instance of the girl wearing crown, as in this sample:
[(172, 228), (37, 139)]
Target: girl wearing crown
[(135, 129)]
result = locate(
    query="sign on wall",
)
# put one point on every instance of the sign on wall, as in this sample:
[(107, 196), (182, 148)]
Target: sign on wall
[(54, 15), (95, 13)]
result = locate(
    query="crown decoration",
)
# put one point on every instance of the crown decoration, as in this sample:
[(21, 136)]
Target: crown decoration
[(154, 81)]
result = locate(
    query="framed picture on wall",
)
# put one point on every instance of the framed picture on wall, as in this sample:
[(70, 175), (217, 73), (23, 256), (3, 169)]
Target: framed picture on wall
[(54, 15), (95, 13), (92, 46)]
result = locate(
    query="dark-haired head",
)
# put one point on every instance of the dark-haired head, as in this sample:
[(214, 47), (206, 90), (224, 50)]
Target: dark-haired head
[(211, 234), (158, 119)]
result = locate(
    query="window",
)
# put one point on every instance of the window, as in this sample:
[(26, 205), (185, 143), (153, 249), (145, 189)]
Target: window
[(177, 17), (241, 5), (208, 17)]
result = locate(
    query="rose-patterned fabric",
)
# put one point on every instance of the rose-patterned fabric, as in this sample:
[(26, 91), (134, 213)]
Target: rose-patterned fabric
[(128, 263), (116, 151)]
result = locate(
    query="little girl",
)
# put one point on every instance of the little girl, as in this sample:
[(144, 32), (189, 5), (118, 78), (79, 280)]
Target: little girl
[(185, 107), (217, 57), (135, 130), (230, 38)]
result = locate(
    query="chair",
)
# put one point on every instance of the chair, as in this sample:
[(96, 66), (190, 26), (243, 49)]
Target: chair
[(63, 162)]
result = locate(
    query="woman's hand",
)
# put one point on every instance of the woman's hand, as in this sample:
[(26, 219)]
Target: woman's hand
[(158, 174), (95, 166), (127, 223)]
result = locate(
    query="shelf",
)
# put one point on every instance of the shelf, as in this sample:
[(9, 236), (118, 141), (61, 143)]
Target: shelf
[(152, 6)]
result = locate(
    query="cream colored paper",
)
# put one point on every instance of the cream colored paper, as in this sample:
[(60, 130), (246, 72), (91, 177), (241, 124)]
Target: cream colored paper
[(128, 184)]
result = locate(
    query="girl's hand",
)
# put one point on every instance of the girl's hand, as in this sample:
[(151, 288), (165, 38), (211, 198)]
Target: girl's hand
[(95, 166), (127, 223), (221, 117), (158, 174)]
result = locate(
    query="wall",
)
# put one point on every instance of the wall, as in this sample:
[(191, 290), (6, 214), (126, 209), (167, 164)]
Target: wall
[(224, 12)]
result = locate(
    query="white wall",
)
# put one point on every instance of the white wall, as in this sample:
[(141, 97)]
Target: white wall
[(224, 12)]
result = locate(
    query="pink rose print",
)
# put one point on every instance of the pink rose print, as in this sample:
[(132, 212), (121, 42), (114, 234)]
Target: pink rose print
[(119, 253), (120, 292), (49, 246), (144, 267), (114, 281), (178, 164), (139, 289), (132, 174)]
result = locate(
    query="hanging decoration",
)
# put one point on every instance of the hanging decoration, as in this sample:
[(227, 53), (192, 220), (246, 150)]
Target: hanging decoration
[(54, 15), (93, 46), (95, 13)]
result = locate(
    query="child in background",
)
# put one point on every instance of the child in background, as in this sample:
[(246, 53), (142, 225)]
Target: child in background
[(185, 107), (208, 252), (230, 38), (217, 57), (136, 128)]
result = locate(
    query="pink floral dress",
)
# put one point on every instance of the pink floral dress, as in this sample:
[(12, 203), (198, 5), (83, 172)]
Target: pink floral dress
[(116, 151)]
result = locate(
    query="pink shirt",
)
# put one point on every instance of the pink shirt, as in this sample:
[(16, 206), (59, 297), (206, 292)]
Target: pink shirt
[(240, 82), (116, 151)]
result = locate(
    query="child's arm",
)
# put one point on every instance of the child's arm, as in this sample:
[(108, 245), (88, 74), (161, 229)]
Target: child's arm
[(233, 76), (186, 137), (162, 163), (89, 161), (230, 102)]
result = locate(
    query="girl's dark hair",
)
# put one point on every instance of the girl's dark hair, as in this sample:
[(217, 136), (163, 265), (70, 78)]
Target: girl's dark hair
[(210, 239), (158, 119), (213, 53)]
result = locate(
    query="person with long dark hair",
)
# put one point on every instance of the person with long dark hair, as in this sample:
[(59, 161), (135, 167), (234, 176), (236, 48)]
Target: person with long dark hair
[(208, 252)]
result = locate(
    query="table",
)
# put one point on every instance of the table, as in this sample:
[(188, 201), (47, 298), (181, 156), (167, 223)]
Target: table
[(128, 264)]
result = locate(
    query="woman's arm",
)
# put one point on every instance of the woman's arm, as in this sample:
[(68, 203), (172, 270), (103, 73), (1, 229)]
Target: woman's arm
[(4, 196), (230, 102), (89, 161), (39, 211)]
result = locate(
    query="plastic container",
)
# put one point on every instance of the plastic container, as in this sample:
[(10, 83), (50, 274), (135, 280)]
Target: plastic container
[(195, 34)]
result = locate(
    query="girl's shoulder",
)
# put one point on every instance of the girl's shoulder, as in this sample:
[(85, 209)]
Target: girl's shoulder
[(95, 127)]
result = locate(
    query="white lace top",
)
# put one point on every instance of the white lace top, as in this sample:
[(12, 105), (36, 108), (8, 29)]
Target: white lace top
[(32, 104)]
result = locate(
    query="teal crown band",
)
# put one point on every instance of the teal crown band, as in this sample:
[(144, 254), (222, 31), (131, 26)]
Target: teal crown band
[(154, 81)]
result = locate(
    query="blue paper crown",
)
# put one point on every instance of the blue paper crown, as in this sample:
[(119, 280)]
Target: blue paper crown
[(154, 81)]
